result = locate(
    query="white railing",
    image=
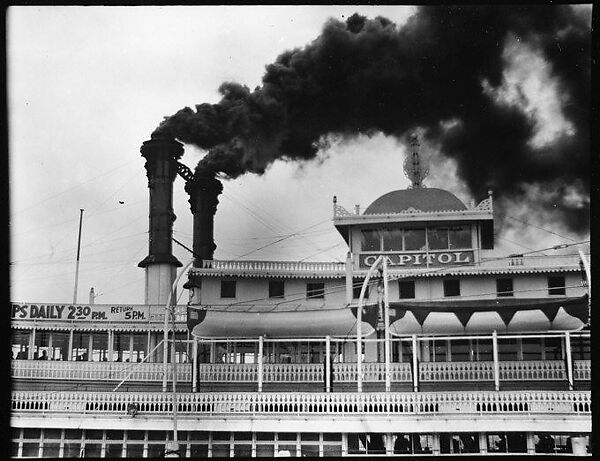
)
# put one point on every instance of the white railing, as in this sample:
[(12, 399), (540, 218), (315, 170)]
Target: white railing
[(582, 370), (524, 402), (96, 371), (527, 370), (533, 370), (456, 371), (228, 372), (271, 266)]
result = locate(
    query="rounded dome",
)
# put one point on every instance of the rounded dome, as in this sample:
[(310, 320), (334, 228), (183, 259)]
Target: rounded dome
[(422, 199)]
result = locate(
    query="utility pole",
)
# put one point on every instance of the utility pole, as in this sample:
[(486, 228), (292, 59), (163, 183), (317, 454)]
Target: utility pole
[(78, 254)]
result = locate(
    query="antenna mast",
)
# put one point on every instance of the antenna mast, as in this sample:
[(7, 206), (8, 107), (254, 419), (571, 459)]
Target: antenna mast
[(415, 168)]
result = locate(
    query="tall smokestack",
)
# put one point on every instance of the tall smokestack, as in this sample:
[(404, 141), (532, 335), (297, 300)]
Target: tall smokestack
[(204, 190), (161, 156)]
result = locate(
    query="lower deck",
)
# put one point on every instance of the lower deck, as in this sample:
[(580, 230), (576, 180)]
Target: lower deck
[(116, 443)]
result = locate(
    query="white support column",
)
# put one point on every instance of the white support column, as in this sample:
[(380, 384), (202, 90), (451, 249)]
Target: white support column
[(327, 364), (148, 348), (415, 364), (349, 280), (496, 362), (165, 355), (111, 347), (482, 443), (50, 348), (195, 365), (386, 311), (90, 347), (569, 359), (70, 350), (212, 352), (31, 344), (530, 443), (261, 345)]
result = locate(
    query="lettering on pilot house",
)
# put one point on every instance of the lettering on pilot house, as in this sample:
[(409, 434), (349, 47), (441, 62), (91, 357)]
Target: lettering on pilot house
[(420, 259), (78, 312)]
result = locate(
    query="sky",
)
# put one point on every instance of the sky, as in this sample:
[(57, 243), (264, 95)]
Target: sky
[(87, 85)]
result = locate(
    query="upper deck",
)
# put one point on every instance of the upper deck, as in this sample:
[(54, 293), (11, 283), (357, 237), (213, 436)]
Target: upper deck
[(488, 265)]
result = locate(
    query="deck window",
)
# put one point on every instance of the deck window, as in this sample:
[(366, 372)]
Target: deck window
[(504, 287), (508, 350), (460, 350), (228, 288), (20, 344), (553, 348), (414, 239), (581, 347), (412, 443), (439, 348), (42, 345), (511, 442), (100, 347), (556, 285), (406, 289), (370, 240), (370, 444), (392, 240), (140, 346), (459, 237), (315, 290), (459, 443), (451, 287), (531, 348), (81, 344), (437, 238), (484, 349), (276, 288)]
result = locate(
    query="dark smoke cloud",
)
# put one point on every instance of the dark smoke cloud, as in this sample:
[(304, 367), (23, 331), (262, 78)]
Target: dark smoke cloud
[(367, 75)]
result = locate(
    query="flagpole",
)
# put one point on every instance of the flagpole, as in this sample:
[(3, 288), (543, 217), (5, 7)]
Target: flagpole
[(78, 254)]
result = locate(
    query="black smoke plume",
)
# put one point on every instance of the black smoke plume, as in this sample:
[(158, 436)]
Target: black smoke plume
[(364, 76)]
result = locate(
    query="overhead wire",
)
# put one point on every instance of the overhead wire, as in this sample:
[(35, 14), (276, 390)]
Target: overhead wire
[(282, 226), (539, 227)]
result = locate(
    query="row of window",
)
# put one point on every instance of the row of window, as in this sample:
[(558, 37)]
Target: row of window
[(134, 347), (435, 350), (74, 443), (419, 239), (406, 288), (97, 346)]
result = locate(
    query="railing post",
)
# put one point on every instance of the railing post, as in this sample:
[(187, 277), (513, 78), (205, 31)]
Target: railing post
[(261, 341), (386, 310), (327, 364), (415, 364), (195, 365), (496, 363), (569, 359)]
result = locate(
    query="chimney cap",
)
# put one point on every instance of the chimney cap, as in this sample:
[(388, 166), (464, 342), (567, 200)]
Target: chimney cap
[(165, 145)]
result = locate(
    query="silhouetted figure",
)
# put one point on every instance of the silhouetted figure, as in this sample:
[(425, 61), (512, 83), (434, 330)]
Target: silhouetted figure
[(402, 444), (44, 356)]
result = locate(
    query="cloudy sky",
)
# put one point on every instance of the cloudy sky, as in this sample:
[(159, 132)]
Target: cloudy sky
[(87, 85)]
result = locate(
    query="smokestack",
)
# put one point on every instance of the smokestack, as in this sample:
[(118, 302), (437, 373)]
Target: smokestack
[(161, 156), (204, 190)]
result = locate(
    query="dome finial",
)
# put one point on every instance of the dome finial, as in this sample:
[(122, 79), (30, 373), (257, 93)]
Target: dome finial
[(414, 168)]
